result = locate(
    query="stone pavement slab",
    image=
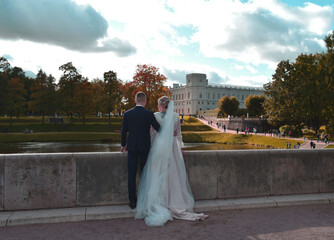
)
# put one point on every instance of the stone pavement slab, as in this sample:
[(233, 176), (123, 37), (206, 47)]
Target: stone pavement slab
[(293, 200), (4, 218), (47, 216), (123, 211), (109, 212), (243, 203)]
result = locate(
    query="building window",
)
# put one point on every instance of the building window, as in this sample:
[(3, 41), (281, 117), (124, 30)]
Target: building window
[(199, 102), (200, 95), (242, 97), (188, 110), (208, 103), (218, 95), (182, 96), (213, 95), (200, 109), (202, 102), (213, 103), (208, 95), (188, 94)]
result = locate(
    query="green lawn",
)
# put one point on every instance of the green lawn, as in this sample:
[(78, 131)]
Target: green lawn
[(229, 138), (192, 131), (59, 136)]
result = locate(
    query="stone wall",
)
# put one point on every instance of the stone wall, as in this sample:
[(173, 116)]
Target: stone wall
[(36, 181), (261, 125)]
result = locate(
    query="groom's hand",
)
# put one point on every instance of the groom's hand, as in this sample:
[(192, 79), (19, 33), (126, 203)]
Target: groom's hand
[(123, 149)]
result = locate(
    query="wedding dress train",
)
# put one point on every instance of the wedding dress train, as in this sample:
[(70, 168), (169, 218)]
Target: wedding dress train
[(164, 192)]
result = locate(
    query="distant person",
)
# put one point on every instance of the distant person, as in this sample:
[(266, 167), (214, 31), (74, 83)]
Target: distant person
[(298, 144)]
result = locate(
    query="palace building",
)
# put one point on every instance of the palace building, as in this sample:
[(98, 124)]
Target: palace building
[(197, 95)]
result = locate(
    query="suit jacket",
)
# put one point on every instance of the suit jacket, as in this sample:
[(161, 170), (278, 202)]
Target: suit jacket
[(138, 121)]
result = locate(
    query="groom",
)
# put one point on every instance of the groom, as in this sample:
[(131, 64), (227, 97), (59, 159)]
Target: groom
[(137, 121)]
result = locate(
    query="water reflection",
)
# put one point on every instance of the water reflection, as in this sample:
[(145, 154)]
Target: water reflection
[(96, 146)]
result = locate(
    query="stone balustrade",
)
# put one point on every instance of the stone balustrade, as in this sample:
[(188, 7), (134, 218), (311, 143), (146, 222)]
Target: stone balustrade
[(37, 181)]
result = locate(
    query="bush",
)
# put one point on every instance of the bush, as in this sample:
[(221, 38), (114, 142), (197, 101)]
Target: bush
[(287, 128)]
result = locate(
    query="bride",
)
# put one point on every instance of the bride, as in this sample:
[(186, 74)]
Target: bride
[(164, 191)]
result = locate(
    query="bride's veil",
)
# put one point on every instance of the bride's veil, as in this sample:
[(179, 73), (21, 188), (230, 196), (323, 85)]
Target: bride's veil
[(151, 192)]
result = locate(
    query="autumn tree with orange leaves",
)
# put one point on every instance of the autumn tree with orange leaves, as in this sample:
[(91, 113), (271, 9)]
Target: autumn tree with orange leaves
[(148, 79)]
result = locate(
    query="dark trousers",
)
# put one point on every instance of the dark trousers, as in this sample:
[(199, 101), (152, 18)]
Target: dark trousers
[(132, 172)]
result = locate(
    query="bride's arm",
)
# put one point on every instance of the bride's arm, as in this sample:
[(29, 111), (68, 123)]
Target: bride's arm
[(153, 132), (177, 132)]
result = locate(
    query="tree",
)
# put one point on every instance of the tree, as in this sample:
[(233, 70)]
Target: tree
[(83, 99), (280, 104), (254, 103), (15, 100), (148, 79), (98, 94), (67, 86), (297, 94), (228, 106), (43, 93), (128, 91), (327, 73), (112, 92), (4, 78), (310, 90)]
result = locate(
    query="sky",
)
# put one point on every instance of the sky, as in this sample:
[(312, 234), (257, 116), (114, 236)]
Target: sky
[(235, 42)]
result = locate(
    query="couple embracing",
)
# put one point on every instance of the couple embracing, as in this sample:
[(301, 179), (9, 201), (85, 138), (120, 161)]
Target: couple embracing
[(155, 139)]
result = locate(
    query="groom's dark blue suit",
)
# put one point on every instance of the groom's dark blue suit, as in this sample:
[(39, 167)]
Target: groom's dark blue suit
[(137, 122)]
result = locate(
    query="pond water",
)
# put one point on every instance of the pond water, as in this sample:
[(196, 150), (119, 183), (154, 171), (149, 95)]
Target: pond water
[(96, 146)]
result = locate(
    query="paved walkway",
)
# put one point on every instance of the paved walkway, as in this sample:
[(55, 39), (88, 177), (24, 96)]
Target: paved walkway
[(306, 145), (303, 217)]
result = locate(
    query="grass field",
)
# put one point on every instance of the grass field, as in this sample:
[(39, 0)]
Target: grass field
[(192, 131), (229, 138)]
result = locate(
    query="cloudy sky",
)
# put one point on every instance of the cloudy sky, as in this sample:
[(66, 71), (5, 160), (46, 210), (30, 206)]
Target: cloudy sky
[(236, 42)]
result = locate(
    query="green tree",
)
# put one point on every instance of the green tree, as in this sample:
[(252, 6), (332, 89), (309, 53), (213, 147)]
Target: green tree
[(4, 79), (327, 73), (228, 105), (98, 95), (112, 92), (83, 99), (15, 101), (67, 86), (280, 104), (254, 104), (42, 96)]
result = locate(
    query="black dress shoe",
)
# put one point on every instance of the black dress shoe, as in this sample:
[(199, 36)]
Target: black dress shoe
[(132, 205)]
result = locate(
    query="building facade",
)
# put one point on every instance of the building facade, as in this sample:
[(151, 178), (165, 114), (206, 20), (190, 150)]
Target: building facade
[(197, 95)]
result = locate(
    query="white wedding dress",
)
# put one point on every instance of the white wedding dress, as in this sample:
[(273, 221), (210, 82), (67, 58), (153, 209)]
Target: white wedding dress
[(164, 191)]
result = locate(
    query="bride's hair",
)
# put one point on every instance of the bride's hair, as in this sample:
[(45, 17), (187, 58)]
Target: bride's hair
[(163, 101)]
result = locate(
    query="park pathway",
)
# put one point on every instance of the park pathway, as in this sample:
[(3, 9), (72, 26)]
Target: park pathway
[(305, 145)]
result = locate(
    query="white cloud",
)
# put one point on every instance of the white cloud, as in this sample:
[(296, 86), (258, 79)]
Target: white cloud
[(251, 69), (62, 23), (255, 32), (238, 66), (148, 32)]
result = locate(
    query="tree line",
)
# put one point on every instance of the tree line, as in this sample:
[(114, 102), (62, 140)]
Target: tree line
[(301, 93), (75, 94)]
